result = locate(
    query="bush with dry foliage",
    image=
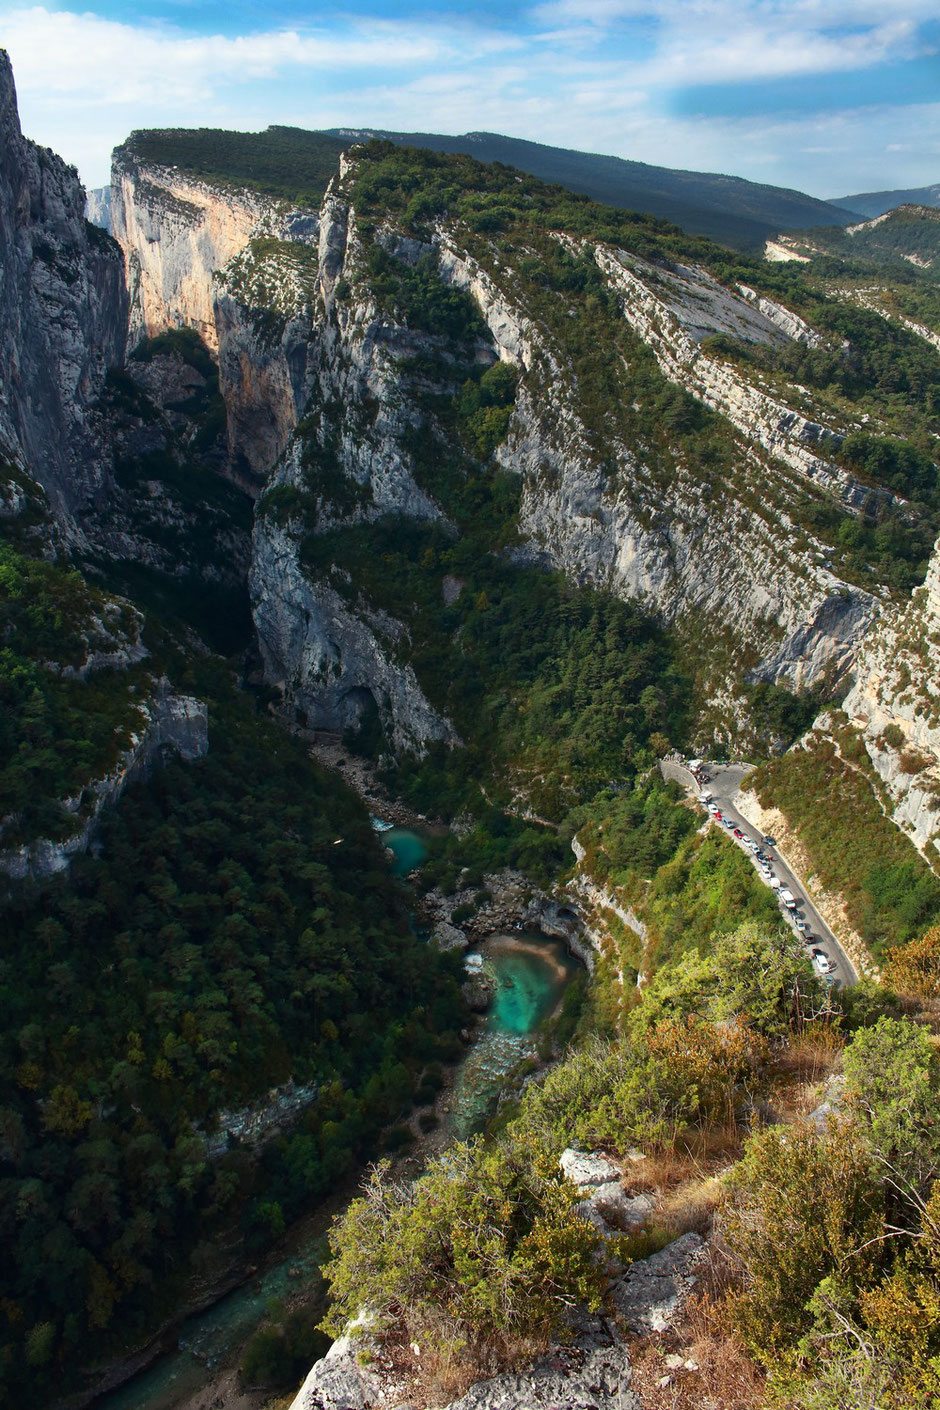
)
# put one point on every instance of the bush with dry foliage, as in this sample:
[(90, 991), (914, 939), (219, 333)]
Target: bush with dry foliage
[(479, 1260)]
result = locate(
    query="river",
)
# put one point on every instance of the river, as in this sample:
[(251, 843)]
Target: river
[(529, 972)]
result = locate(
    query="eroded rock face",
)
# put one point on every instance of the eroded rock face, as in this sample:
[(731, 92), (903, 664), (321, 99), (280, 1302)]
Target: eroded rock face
[(895, 701), (329, 662), (63, 311), (175, 233)]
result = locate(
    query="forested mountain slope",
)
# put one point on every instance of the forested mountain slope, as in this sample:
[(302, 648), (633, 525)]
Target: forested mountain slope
[(181, 933), (513, 492), (872, 203)]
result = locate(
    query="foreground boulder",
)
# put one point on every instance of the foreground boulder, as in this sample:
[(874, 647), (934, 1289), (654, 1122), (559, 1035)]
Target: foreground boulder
[(652, 1293)]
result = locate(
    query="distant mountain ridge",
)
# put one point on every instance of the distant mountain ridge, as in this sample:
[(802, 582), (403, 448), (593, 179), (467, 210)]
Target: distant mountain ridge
[(872, 203), (909, 233), (287, 161), (728, 209)]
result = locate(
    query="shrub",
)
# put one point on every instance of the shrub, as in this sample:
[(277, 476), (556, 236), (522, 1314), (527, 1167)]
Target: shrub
[(483, 1255), (800, 1208)]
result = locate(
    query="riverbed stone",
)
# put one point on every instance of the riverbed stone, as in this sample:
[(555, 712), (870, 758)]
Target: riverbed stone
[(449, 937)]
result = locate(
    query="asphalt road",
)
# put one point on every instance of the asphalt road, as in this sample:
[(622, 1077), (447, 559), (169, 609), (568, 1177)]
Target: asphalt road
[(725, 781)]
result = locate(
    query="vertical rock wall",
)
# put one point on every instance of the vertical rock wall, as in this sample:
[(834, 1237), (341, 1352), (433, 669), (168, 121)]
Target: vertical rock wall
[(63, 312)]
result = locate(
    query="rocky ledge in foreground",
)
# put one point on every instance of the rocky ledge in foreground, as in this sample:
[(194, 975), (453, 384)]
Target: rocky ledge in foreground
[(592, 1372)]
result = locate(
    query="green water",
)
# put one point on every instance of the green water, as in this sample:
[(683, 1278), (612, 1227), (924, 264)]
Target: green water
[(530, 972), (407, 848)]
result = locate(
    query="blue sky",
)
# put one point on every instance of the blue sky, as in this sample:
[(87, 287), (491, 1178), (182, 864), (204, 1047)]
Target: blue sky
[(831, 96)]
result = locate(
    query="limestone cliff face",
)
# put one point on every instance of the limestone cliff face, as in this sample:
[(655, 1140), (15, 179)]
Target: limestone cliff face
[(63, 312), (686, 547), (318, 401), (330, 660), (896, 703), (175, 233)]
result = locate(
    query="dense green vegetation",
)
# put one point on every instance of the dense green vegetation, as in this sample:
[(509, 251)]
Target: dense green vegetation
[(826, 791), (284, 162), (240, 929), (685, 887), (58, 732), (476, 1263)]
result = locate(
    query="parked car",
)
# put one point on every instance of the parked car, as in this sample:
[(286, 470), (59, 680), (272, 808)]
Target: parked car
[(769, 841), (822, 963)]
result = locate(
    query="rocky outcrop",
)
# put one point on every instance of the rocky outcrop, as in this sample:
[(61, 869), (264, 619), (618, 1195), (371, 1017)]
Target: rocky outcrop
[(652, 1293), (329, 662), (674, 324), (168, 722), (605, 1202), (895, 702), (591, 1373), (63, 311)]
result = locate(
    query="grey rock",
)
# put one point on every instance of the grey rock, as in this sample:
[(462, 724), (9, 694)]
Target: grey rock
[(449, 937), (653, 1292), (831, 1103), (618, 1209), (63, 311), (589, 1169), (567, 1379), (339, 1382)]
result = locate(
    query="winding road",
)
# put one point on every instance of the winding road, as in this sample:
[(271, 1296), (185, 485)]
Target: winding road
[(724, 783)]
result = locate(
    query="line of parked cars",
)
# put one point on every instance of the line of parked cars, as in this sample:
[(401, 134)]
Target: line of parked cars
[(790, 903)]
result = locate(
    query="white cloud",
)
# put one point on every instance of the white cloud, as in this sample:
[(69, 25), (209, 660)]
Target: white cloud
[(84, 82)]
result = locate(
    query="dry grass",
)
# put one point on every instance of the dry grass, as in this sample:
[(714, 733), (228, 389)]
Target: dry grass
[(696, 1156), (800, 1071), (439, 1370), (723, 1375)]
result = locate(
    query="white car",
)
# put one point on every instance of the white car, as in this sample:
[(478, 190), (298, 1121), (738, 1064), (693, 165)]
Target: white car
[(713, 807), (822, 963)]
